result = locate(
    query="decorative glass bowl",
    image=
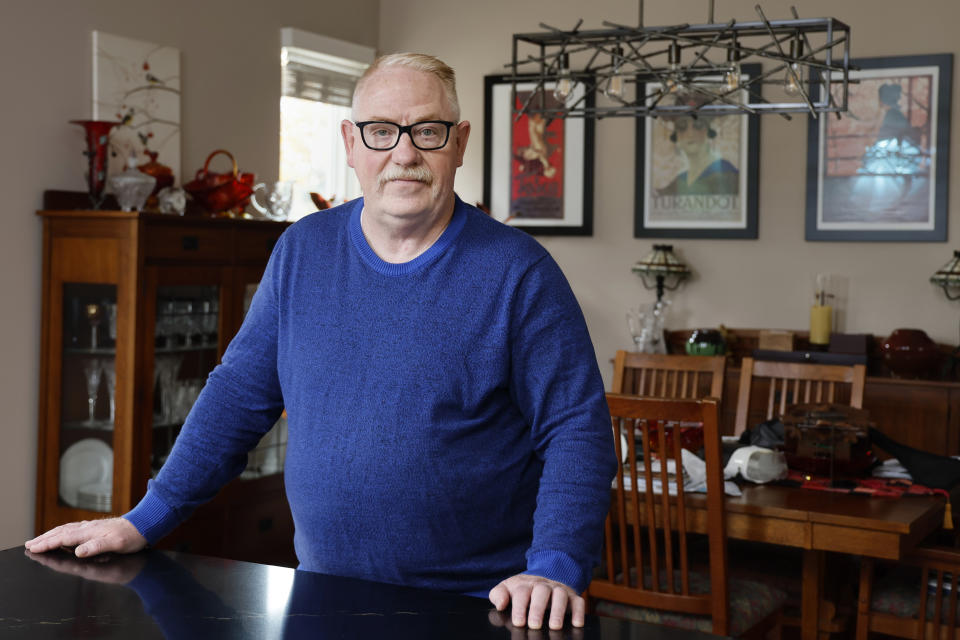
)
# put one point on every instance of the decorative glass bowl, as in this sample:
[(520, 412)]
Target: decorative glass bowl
[(132, 187)]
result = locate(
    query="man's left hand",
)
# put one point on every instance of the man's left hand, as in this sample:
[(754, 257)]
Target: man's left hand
[(531, 595)]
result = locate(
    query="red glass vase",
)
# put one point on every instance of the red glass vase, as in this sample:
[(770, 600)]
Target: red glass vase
[(910, 353), (98, 146)]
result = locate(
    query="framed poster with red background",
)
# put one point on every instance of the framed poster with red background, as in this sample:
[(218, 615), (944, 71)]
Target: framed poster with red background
[(538, 171)]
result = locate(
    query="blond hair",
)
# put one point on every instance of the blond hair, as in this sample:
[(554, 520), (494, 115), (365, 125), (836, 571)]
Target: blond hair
[(419, 62)]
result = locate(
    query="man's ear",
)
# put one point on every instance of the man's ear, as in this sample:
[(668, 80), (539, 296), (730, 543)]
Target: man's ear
[(348, 130), (463, 134)]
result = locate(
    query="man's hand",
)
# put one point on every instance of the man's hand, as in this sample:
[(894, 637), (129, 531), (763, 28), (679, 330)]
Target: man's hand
[(90, 537), (111, 569), (534, 593)]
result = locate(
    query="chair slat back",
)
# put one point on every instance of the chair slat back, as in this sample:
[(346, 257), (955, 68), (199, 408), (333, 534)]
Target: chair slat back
[(657, 375), (798, 382), (646, 556)]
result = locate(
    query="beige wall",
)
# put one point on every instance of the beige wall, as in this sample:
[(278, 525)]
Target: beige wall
[(230, 54), (766, 282)]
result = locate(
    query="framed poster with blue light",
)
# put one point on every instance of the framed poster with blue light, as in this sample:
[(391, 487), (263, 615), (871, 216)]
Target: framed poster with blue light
[(879, 171)]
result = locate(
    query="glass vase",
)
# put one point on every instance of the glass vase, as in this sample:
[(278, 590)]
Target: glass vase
[(98, 145)]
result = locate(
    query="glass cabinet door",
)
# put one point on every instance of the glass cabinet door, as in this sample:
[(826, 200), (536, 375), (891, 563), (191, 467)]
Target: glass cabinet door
[(88, 384), (186, 339), (268, 457)]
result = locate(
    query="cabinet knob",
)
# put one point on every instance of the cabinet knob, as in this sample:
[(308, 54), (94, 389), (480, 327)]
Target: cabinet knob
[(190, 243)]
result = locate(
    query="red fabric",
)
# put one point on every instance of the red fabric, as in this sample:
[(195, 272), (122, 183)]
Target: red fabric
[(881, 487)]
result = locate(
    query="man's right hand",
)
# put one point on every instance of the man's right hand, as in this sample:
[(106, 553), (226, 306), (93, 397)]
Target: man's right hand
[(90, 537)]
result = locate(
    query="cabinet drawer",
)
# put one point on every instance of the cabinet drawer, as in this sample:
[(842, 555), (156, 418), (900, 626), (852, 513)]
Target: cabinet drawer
[(255, 245), (194, 244)]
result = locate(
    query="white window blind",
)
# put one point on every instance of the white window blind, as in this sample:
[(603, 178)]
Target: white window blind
[(311, 75), (319, 75)]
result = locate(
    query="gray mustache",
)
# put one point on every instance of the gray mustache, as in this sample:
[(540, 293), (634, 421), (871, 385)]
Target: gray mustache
[(420, 174)]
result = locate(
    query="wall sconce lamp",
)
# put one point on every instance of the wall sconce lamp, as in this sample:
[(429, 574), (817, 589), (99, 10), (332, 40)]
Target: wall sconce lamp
[(661, 269), (947, 277)]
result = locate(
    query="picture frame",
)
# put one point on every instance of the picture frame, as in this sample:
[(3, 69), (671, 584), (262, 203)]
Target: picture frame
[(721, 202), (538, 174), (879, 173)]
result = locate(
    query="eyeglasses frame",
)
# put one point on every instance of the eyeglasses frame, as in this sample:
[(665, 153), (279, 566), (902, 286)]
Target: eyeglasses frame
[(408, 129)]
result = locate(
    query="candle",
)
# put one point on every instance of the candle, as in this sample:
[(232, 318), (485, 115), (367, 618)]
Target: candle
[(820, 323)]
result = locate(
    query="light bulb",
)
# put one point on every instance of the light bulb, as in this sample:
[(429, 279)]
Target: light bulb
[(791, 82), (614, 88), (565, 82), (731, 79), (672, 82), (793, 77)]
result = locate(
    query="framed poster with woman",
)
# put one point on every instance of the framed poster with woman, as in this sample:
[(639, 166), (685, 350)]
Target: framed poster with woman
[(880, 171), (696, 171)]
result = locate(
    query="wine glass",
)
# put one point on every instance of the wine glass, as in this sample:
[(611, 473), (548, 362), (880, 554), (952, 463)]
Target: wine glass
[(94, 315), (91, 373), (110, 372), (166, 369), (165, 329)]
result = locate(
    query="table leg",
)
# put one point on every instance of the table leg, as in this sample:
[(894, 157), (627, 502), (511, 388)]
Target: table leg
[(812, 590)]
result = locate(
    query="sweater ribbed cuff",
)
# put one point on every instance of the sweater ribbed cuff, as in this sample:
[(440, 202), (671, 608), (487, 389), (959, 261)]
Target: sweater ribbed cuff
[(558, 566), (152, 517)]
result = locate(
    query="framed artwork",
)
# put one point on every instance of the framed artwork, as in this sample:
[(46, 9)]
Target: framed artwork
[(879, 172), (538, 172), (138, 84), (696, 174)]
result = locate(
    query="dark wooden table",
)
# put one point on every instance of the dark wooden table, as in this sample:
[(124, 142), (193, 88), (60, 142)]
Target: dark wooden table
[(819, 522), (159, 594)]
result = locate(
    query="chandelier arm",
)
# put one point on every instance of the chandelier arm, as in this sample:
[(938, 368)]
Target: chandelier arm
[(722, 98), (709, 45), (756, 96), (799, 81), (540, 86)]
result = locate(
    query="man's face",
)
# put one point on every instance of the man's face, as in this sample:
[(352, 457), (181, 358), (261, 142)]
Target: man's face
[(404, 182)]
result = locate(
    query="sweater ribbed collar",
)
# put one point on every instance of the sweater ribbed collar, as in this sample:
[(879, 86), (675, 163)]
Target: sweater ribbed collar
[(435, 250)]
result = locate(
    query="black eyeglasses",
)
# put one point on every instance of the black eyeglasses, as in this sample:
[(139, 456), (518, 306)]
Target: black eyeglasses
[(428, 135)]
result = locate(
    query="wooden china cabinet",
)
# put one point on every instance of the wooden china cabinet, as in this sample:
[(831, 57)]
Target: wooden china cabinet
[(137, 309)]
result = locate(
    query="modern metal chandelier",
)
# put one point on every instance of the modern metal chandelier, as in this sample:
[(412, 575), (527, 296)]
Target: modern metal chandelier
[(681, 69)]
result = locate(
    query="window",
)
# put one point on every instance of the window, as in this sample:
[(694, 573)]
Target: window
[(319, 75)]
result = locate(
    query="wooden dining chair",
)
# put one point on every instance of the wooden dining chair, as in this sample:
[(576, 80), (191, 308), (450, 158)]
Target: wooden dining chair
[(658, 375), (648, 572), (892, 597), (797, 382)]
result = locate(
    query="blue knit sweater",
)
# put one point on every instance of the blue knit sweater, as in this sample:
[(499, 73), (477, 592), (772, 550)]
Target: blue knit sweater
[(447, 421)]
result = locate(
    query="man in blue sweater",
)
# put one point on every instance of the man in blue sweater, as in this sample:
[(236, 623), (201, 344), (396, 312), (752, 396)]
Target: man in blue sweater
[(447, 421)]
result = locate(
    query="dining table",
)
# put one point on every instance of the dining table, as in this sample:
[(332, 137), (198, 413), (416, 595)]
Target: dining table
[(163, 594), (819, 522)]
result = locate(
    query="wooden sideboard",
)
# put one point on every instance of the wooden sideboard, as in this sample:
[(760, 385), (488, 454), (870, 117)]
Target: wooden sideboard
[(924, 414)]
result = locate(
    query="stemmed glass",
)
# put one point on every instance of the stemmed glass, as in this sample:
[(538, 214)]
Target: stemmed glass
[(165, 374), (110, 371), (94, 316), (165, 323), (91, 372)]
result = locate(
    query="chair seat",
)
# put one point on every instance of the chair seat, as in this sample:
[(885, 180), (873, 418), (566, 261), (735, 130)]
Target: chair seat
[(897, 593), (751, 602)]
